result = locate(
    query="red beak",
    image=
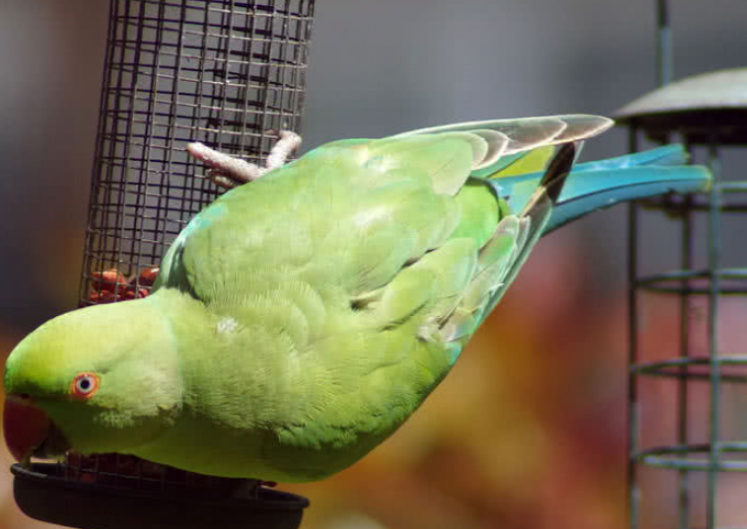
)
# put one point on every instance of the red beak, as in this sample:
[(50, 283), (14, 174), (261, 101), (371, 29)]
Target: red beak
[(26, 427)]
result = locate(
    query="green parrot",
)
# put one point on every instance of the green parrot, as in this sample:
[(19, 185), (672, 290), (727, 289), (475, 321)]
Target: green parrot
[(299, 320)]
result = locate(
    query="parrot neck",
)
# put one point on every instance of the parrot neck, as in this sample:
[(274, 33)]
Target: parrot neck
[(221, 363), (226, 401)]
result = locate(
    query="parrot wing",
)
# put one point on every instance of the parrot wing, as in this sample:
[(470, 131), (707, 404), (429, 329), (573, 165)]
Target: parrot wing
[(357, 213), (358, 272), (527, 143)]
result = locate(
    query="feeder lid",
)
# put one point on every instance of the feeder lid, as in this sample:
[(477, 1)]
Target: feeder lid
[(42, 493), (710, 107)]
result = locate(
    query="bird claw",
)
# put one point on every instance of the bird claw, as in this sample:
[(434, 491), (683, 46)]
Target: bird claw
[(228, 171), (288, 142)]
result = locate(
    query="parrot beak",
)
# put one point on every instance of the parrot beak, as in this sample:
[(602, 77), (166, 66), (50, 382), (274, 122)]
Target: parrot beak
[(29, 432)]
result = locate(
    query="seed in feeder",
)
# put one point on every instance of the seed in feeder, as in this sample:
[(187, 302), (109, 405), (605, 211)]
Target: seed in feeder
[(148, 276), (108, 280)]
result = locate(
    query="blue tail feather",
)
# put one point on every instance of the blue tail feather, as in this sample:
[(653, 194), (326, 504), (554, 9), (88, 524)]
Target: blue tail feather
[(600, 184), (667, 155)]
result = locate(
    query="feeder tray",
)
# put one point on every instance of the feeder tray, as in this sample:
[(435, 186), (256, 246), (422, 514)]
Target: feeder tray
[(45, 493)]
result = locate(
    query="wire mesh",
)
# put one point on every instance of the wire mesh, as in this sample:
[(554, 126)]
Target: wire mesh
[(227, 73)]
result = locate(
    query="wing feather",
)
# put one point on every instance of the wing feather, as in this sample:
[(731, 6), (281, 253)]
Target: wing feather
[(403, 248)]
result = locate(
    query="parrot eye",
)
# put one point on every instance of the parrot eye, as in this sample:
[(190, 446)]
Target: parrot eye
[(84, 386)]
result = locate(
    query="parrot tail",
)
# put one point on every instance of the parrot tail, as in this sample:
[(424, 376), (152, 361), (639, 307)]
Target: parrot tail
[(596, 185), (600, 184)]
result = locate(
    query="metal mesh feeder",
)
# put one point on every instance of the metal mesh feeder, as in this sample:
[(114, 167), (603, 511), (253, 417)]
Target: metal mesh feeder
[(224, 73), (229, 74), (689, 378)]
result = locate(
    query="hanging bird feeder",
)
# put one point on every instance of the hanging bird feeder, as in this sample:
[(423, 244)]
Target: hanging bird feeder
[(224, 73), (698, 375)]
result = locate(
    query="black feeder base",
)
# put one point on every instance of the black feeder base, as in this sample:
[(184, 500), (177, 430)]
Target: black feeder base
[(43, 493)]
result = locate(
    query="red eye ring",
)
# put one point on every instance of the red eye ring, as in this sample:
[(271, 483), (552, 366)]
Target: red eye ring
[(84, 386)]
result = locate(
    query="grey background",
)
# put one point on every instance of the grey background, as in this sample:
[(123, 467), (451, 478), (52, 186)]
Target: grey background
[(376, 68)]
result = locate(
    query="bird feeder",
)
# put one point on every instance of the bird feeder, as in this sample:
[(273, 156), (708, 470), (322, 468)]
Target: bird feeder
[(690, 385), (229, 74)]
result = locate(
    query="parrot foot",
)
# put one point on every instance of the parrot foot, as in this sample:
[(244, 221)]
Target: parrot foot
[(286, 145), (229, 172)]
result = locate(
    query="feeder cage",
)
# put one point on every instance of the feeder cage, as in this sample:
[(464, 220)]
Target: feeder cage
[(229, 74), (686, 378)]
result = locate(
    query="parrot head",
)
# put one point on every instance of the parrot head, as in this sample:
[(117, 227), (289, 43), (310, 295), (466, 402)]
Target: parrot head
[(99, 379)]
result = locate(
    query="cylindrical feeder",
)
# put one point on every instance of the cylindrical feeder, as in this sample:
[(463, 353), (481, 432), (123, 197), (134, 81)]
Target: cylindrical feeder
[(693, 384), (226, 73), (229, 74)]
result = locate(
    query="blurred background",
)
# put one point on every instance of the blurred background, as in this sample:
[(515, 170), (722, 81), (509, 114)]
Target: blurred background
[(529, 428)]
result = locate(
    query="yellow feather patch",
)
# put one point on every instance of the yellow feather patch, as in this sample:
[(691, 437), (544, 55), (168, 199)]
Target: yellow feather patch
[(534, 161)]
